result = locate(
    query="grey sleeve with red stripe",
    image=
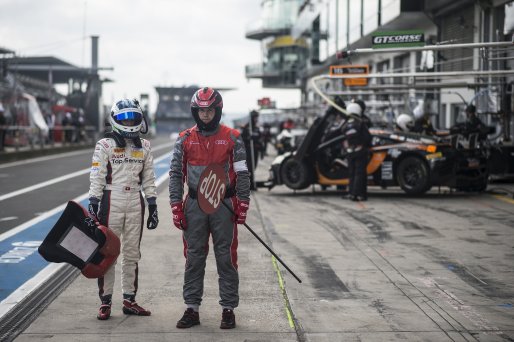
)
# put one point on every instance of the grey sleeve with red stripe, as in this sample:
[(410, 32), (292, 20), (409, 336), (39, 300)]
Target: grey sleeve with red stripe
[(241, 169), (176, 173)]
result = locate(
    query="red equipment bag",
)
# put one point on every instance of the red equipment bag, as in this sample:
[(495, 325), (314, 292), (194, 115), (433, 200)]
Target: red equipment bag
[(80, 241)]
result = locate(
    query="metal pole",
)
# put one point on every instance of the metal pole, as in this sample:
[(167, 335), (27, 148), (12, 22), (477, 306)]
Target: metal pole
[(348, 53), (252, 153), (264, 244), (497, 73)]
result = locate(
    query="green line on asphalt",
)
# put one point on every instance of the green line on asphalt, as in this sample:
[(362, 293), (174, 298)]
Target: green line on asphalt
[(281, 284)]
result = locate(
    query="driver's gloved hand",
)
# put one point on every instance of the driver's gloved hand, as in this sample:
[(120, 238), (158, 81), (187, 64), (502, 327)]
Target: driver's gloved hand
[(94, 209), (153, 219)]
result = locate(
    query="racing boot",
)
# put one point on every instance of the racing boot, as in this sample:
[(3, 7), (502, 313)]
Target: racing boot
[(130, 307), (359, 199), (105, 308), (228, 319), (190, 318)]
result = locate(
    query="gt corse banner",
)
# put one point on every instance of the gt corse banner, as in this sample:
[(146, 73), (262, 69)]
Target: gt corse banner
[(398, 39)]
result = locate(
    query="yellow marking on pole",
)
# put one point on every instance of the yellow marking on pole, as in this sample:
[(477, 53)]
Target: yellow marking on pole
[(504, 198), (281, 284)]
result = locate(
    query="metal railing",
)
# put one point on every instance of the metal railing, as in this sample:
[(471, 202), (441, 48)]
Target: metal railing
[(18, 138)]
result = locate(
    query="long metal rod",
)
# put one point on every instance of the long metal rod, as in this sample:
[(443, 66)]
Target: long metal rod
[(493, 73), (263, 243), (399, 87), (499, 58), (348, 53)]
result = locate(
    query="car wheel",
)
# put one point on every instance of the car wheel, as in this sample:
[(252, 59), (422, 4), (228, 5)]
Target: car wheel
[(296, 174), (413, 176)]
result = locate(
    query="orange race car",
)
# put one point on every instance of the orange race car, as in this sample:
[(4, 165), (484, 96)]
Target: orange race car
[(412, 161)]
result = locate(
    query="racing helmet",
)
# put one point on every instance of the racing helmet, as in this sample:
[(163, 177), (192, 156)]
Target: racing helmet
[(361, 104), (354, 108), (207, 98), (126, 118), (404, 122)]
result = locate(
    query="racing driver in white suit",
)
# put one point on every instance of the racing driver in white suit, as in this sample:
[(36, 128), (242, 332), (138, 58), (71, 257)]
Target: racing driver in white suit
[(122, 167)]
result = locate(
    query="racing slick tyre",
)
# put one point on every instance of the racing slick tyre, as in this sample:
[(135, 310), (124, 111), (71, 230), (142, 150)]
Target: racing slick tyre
[(413, 176), (296, 175)]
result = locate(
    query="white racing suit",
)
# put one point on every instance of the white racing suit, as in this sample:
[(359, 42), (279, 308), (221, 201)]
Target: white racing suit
[(193, 152), (118, 174)]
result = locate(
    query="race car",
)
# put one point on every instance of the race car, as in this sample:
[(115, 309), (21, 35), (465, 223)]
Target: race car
[(412, 161)]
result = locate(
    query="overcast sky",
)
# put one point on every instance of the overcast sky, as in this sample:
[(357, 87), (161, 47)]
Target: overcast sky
[(148, 43)]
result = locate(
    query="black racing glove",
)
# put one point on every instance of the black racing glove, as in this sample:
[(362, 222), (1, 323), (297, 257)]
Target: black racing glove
[(153, 219), (94, 209)]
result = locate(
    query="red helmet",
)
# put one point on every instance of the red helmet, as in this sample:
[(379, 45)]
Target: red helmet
[(207, 98)]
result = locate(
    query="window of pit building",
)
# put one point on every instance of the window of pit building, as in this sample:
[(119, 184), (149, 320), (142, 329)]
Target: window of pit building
[(383, 68), (355, 21), (401, 64), (342, 25), (457, 26), (332, 28), (370, 16), (390, 10)]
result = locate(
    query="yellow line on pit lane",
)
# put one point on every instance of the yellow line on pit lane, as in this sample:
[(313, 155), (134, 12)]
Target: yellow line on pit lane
[(504, 198), (282, 288)]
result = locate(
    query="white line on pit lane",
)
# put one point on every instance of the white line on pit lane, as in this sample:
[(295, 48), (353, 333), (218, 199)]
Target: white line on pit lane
[(60, 179), (44, 158), (65, 154), (8, 218), (42, 185)]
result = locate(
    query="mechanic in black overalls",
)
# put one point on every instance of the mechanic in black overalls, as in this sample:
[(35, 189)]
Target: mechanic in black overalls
[(356, 144), (473, 123)]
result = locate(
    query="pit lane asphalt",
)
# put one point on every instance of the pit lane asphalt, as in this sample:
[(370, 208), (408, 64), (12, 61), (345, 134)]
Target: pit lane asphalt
[(431, 268)]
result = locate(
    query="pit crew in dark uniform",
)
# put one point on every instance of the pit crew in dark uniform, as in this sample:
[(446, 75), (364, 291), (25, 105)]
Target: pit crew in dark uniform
[(473, 123), (252, 138), (356, 145), (197, 147)]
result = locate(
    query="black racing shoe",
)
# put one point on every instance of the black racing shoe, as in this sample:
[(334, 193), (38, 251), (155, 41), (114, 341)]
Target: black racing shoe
[(190, 318), (228, 319)]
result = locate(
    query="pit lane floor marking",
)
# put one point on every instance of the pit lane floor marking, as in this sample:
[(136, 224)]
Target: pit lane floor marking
[(45, 158), (42, 185), (293, 322), (62, 155), (504, 198), (28, 271), (60, 179)]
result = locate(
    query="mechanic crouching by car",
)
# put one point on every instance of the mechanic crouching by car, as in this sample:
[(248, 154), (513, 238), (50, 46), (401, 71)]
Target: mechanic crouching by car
[(356, 145), (422, 123)]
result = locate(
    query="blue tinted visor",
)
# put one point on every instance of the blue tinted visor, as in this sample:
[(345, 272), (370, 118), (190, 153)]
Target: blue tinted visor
[(128, 116)]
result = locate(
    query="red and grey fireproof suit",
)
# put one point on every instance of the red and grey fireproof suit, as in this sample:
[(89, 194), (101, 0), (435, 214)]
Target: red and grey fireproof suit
[(118, 174), (193, 151)]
